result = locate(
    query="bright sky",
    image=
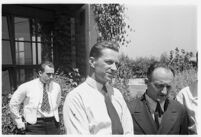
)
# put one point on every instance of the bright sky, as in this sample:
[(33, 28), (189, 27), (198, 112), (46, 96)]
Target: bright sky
[(161, 28)]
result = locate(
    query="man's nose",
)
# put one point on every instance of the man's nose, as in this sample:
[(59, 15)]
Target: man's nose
[(51, 76), (114, 67), (164, 90)]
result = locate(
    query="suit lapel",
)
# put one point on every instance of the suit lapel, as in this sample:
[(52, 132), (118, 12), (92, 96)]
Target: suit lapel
[(144, 118), (169, 119)]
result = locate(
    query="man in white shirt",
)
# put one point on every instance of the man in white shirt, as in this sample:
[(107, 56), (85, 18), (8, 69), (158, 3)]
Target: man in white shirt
[(40, 98), (94, 107)]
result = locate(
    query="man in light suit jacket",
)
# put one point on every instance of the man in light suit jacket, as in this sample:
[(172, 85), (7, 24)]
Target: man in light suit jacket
[(188, 96), (40, 98), (154, 112)]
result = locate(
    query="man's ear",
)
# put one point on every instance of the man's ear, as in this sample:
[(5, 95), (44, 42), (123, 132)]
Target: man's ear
[(146, 81), (92, 62), (39, 73)]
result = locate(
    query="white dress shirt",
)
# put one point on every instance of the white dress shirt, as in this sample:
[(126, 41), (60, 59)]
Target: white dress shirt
[(85, 111), (30, 94)]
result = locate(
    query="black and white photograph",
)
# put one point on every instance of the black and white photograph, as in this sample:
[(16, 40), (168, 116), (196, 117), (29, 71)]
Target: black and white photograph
[(100, 67)]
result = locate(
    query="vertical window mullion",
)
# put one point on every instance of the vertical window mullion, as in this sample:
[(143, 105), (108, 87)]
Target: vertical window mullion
[(11, 31), (30, 27), (12, 70), (36, 26)]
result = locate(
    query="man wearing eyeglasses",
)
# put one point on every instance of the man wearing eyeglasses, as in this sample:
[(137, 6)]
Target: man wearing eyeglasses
[(154, 112)]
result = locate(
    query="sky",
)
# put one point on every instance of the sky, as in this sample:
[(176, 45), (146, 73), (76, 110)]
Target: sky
[(160, 28)]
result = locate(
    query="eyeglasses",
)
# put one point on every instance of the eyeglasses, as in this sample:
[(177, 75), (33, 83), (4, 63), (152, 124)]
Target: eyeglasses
[(161, 86)]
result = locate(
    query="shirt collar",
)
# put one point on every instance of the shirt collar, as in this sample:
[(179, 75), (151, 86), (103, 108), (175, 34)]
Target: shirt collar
[(94, 84), (48, 86), (152, 104)]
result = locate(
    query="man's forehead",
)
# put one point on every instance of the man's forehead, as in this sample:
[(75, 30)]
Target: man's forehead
[(109, 52), (49, 69), (162, 74), (162, 70)]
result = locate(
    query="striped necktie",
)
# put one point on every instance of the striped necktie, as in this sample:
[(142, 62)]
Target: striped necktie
[(45, 107), (116, 124)]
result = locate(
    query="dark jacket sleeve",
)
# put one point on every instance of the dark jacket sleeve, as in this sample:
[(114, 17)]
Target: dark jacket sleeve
[(184, 123)]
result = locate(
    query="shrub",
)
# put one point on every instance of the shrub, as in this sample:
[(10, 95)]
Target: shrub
[(179, 60), (183, 79), (67, 81), (8, 126)]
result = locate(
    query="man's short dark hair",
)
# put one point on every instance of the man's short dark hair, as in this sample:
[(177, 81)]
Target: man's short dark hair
[(157, 64), (45, 63), (98, 47)]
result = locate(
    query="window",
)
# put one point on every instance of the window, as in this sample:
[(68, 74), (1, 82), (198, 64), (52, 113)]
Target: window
[(6, 49), (22, 44), (27, 43)]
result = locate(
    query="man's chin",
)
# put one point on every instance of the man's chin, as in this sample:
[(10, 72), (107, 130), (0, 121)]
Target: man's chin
[(161, 99), (109, 79)]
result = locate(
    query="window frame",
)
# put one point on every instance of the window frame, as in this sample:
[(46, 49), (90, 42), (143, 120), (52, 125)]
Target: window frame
[(14, 68)]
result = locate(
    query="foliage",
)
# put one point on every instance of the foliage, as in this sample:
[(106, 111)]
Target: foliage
[(110, 19), (129, 68), (122, 85), (67, 81), (183, 79), (8, 126), (180, 60), (140, 66), (125, 67)]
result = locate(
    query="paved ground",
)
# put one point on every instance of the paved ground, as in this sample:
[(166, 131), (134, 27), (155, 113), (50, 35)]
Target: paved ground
[(136, 87)]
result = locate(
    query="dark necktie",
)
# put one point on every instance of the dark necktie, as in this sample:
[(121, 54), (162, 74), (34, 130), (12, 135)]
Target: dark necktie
[(116, 124), (45, 103), (158, 113)]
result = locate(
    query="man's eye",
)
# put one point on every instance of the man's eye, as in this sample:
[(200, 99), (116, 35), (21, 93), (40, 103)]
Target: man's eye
[(117, 64), (49, 74), (168, 87), (159, 86), (109, 62)]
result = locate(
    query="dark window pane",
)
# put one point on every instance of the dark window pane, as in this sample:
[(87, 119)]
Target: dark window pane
[(20, 76), (6, 86), (6, 53), (24, 75), (23, 53), (5, 34), (22, 29)]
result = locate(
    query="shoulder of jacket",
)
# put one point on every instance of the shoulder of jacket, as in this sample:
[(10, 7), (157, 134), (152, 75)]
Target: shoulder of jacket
[(134, 103), (176, 104)]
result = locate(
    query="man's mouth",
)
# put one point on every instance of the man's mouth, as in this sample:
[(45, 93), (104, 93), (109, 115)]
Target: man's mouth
[(162, 95), (110, 74)]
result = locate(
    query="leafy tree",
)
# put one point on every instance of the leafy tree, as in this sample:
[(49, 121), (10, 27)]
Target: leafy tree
[(178, 59), (110, 19)]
